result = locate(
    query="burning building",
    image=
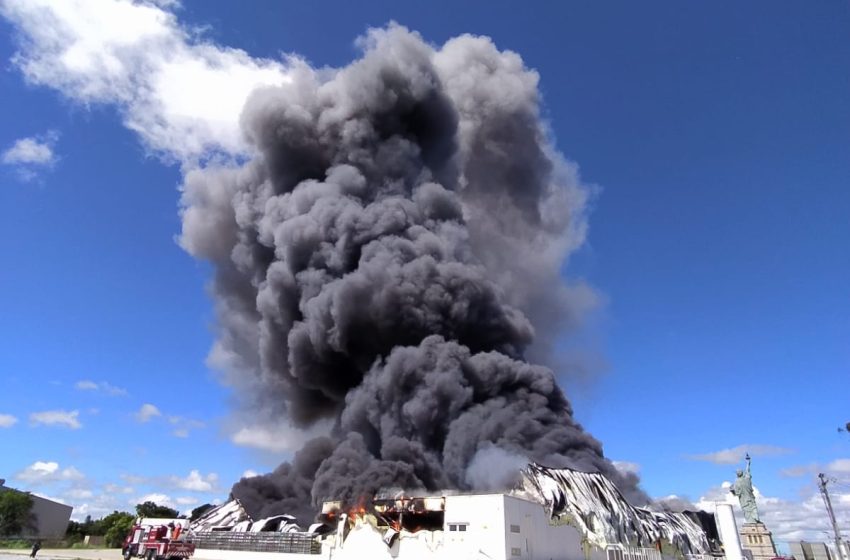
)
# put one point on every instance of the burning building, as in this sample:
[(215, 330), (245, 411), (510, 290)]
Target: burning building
[(388, 273), (550, 514), (388, 270)]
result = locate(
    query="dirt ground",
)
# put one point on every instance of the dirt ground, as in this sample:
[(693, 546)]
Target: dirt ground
[(67, 554), (64, 553)]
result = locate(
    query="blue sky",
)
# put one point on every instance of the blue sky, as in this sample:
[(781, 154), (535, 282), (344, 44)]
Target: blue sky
[(717, 135)]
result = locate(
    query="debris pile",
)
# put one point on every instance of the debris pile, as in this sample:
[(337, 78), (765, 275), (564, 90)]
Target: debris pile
[(232, 516), (592, 503)]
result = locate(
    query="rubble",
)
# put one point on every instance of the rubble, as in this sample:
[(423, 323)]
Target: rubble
[(592, 503), (559, 513)]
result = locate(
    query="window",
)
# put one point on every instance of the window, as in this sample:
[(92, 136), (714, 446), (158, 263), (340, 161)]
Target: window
[(514, 528), (516, 552), (457, 527), (461, 527)]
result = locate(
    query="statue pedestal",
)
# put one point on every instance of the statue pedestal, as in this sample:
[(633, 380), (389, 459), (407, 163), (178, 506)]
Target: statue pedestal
[(758, 540)]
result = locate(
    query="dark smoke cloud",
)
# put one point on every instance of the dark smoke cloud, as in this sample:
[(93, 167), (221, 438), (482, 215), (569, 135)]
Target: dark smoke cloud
[(383, 262)]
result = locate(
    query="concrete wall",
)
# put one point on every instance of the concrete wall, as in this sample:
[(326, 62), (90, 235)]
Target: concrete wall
[(509, 528), (802, 550), (530, 536), (51, 517), (483, 517), (208, 554)]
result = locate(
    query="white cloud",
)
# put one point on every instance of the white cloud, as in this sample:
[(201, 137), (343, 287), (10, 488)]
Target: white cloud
[(736, 454), (110, 497), (839, 466), (155, 497), (79, 494), (29, 156), (29, 151), (103, 386), (7, 420), (186, 500), (66, 418), (789, 520), (134, 479), (799, 470), (276, 439), (49, 497), (96, 511), (183, 426), (43, 472), (182, 95), (195, 481), (146, 412), (110, 488), (250, 473)]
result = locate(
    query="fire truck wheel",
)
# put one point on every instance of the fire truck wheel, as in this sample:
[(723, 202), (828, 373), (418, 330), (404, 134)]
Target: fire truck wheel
[(127, 553), (150, 554)]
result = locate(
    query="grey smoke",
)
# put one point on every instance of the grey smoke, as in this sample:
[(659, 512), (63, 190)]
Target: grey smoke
[(673, 504), (493, 469), (390, 260)]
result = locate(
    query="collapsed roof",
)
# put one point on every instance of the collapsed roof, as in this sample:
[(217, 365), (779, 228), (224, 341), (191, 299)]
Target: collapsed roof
[(591, 503), (588, 501), (232, 516), (222, 518)]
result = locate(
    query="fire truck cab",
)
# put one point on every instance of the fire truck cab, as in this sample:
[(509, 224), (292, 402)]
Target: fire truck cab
[(158, 539)]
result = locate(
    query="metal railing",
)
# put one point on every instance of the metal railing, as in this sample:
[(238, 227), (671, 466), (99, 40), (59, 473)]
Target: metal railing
[(299, 543), (621, 552), (701, 557)]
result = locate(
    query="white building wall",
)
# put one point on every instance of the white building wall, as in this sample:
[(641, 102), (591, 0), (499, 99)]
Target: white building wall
[(488, 533), (483, 516), (530, 536), (496, 527)]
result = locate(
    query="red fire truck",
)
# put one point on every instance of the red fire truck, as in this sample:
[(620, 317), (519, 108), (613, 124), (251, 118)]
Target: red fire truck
[(158, 539)]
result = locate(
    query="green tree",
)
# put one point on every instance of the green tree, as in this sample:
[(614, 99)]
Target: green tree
[(15, 512), (74, 533), (118, 525), (150, 509)]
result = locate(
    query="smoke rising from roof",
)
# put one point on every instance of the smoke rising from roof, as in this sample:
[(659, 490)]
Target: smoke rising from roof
[(388, 262)]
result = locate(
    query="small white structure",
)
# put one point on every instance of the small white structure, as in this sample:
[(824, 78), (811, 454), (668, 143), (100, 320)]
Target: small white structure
[(728, 530)]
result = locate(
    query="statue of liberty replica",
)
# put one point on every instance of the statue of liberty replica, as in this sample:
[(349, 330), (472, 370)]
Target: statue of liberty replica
[(755, 538), (743, 489)]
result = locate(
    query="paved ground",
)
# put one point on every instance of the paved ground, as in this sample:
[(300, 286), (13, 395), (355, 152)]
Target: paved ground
[(64, 553)]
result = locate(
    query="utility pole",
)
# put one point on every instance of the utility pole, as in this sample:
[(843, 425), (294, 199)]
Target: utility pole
[(839, 549)]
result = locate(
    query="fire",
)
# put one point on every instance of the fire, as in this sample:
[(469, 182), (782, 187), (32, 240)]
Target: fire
[(358, 511)]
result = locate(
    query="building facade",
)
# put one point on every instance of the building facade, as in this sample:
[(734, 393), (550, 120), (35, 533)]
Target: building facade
[(50, 519)]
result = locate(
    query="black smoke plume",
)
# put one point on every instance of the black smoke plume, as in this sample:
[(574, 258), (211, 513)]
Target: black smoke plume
[(382, 264)]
